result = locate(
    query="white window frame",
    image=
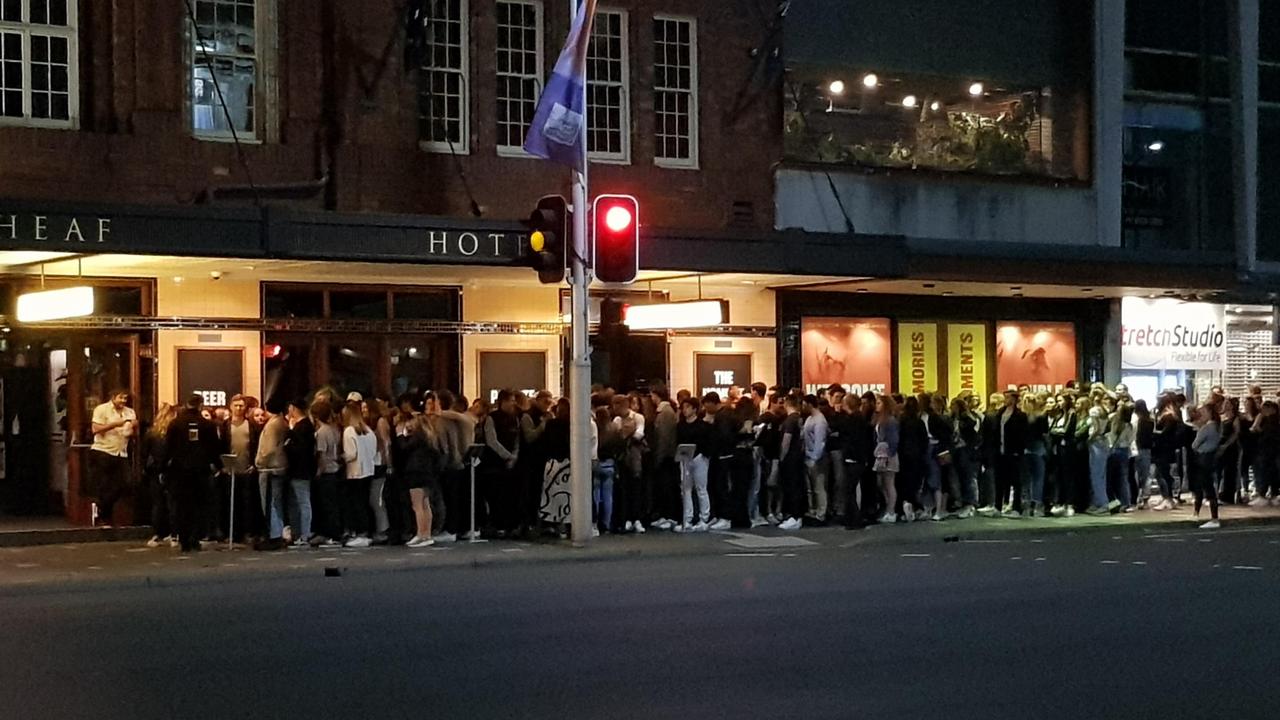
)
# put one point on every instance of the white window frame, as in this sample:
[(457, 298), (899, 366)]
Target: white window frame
[(71, 32), (264, 84), (539, 65), (690, 163), (463, 145), (624, 28)]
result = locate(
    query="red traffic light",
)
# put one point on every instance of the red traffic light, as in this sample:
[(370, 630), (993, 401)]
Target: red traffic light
[(616, 238)]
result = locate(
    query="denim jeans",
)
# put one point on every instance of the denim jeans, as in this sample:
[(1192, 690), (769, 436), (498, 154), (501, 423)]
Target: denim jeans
[(1098, 474), (300, 509), (693, 475), (602, 475), (1142, 471), (1118, 473), (378, 505), (271, 490), (1033, 480), (753, 500)]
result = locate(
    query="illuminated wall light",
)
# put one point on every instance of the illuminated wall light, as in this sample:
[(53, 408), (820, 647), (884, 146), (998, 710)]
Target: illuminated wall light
[(55, 304), (836, 87), (909, 101), (692, 314), (935, 106), (1156, 146), (870, 81), (976, 89)]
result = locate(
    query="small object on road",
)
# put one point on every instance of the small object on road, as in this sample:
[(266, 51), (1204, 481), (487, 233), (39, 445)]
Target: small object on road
[(332, 572)]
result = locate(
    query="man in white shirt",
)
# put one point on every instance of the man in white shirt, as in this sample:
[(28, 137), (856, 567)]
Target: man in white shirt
[(113, 424)]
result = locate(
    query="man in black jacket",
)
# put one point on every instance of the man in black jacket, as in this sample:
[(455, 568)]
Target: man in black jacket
[(1013, 426), (191, 446), (300, 449)]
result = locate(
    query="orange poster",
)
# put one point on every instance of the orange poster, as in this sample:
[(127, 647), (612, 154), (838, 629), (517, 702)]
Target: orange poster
[(854, 352), (1041, 355)]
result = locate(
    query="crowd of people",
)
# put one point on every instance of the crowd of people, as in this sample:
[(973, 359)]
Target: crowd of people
[(327, 471)]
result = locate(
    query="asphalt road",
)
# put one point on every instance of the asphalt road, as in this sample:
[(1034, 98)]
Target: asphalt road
[(1171, 625)]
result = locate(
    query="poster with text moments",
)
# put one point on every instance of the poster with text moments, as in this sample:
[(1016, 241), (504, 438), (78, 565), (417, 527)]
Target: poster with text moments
[(854, 352), (1042, 355), (967, 360), (917, 358)]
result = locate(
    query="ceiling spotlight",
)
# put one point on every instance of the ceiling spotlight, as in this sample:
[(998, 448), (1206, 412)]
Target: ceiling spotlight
[(976, 89), (836, 87), (1156, 146), (909, 101), (935, 106), (869, 81)]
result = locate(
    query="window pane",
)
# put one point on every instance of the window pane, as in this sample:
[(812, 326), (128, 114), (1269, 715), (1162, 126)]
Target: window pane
[(288, 374), (352, 368), (116, 300), (281, 302), (363, 305), (412, 366), (40, 11), (519, 71), (58, 12), (225, 46), (441, 305), (11, 10), (442, 90), (606, 91)]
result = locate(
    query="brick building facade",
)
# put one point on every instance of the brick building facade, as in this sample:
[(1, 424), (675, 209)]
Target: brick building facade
[(339, 116)]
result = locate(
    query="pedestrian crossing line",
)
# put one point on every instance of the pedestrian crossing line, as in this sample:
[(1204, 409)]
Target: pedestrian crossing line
[(1138, 562), (1109, 562), (1040, 559), (1016, 557), (915, 555), (1245, 567)]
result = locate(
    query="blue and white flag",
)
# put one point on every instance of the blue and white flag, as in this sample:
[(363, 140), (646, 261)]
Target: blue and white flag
[(556, 131)]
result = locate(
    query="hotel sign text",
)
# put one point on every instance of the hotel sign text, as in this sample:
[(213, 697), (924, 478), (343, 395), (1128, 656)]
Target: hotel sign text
[(37, 228)]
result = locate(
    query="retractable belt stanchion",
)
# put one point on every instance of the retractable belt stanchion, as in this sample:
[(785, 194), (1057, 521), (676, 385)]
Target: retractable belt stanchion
[(474, 536), (231, 521)]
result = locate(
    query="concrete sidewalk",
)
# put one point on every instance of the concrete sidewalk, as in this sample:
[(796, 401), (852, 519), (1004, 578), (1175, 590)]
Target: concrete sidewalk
[(77, 566)]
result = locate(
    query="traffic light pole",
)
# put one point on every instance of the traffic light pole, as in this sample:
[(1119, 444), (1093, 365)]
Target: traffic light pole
[(580, 470)]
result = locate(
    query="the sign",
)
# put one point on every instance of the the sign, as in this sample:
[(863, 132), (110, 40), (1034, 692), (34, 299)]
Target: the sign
[(1147, 199), (967, 360), (1041, 356), (501, 369), (853, 352), (1169, 334), (216, 374), (717, 372), (54, 229), (917, 358)]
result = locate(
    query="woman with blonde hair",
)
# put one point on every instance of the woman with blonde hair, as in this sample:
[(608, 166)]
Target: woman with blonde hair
[(153, 458), (360, 453), (1033, 460)]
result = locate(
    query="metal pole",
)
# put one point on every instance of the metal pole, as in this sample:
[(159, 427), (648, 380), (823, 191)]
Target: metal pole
[(580, 370), (231, 520)]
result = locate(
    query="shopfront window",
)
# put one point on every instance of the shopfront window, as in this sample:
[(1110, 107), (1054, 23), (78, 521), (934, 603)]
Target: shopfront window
[(358, 304), (225, 64), (353, 367)]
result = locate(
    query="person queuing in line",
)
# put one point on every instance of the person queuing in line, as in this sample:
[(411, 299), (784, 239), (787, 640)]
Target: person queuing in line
[(965, 448), (694, 433), (153, 469), (990, 443), (360, 455), (1206, 444), (301, 464), (271, 462), (792, 470), (191, 449), (416, 453), (887, 464), (530, 468), (723, 419), (326, 489), (663, 440), (815, 431), (610, 446), (501, 432), (457, 435), (238, 484), (938, 459)]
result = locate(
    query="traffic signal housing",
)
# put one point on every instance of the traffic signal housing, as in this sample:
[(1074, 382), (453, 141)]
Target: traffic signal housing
[(548, 237), (616, 238)]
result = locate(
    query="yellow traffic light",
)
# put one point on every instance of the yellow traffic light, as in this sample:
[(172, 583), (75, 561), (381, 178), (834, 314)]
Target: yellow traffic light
[(537, 241)]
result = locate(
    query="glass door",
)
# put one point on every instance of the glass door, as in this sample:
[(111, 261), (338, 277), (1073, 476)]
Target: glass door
[(96, 368)]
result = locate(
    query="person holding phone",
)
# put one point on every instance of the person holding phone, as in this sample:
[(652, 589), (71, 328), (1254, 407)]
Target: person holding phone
[(113, 424)]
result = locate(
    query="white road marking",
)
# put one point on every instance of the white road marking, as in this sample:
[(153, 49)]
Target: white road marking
[(230, 564), (915, 555), (512, 549), (136, 550), (326, 559), (788, 554), (1138, 562), (1016, 557), (1110, 562), (1245, 567), (1039, 559), (1037, 540), (94, 567), (750, 554), (986, 542), (27, 565), (747, 541)]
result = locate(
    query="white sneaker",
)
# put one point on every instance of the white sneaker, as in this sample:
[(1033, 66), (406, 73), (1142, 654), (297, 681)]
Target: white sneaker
[(595, 531), (1014, 514), (935, 517), (701, 527), (664, 524), (907, 510), (358, 542), (154, 542), (772, 519), (723, 524), (1211, 525), (987, 511), (758, 522), (639, 528), (1113, 505), (965, 513), (1070, 512), (173, 542), (444, 537), (889, 518), (629, 527), (419, 541), (1057, 511), (790, 524), (299, 544)]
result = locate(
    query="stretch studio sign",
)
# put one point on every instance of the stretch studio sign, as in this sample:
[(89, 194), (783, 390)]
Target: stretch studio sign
[(1168, 334)]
